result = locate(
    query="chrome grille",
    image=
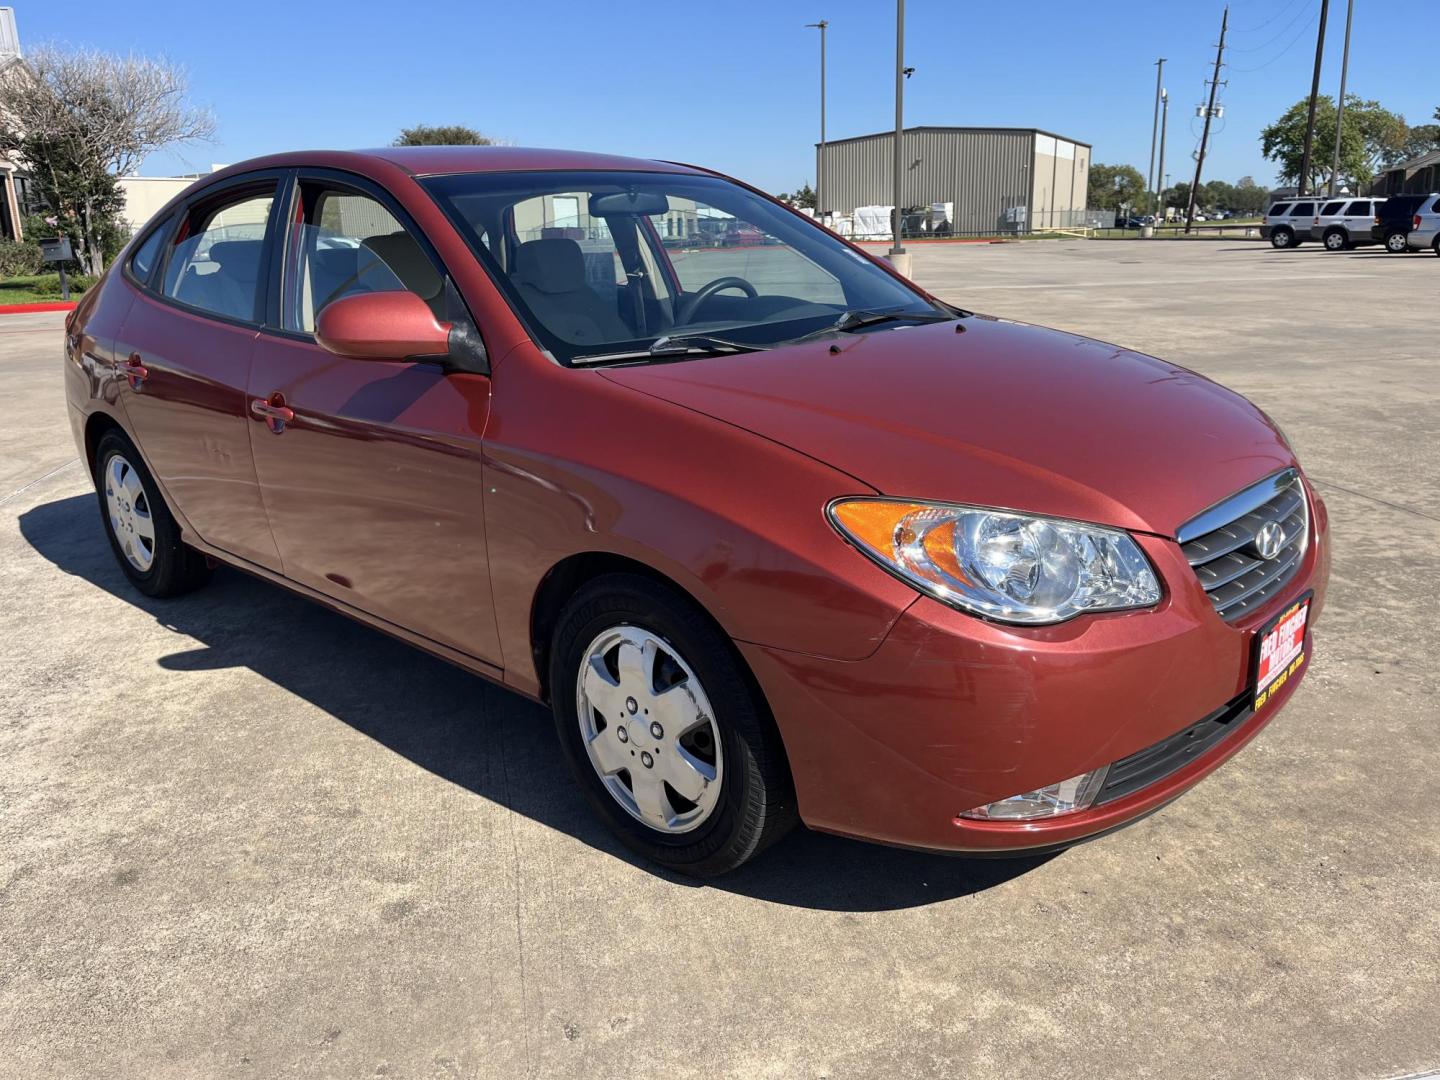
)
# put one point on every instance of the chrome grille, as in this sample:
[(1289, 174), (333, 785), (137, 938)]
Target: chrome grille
[(1223, 545)]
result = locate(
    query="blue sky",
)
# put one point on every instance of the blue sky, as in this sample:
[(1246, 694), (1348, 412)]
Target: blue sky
[(733, 86)]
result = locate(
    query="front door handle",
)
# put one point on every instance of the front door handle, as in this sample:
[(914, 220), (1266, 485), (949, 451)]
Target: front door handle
[(134, 371), (273, 411)]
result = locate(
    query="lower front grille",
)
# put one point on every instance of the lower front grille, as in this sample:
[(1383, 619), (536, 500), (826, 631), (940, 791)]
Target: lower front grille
[(1145, 767), (1246, 548)]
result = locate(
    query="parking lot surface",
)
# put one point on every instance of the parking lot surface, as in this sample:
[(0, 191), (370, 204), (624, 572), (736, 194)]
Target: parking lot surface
[(241, 836)]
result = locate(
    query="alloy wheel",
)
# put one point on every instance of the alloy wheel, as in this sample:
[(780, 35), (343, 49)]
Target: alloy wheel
[(1334, 241), (649, 729), (1395, 243), (129, 509)]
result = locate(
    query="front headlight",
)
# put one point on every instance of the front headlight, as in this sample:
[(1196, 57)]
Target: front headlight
[(1010, 567)]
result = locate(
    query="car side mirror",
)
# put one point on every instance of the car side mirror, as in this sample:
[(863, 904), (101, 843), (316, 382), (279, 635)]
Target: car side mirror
[(382, 326)]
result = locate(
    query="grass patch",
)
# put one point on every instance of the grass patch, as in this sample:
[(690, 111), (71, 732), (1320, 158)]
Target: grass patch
[(40, 288)]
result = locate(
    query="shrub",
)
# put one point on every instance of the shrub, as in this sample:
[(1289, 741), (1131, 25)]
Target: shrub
[(49, 285), (18, 258)]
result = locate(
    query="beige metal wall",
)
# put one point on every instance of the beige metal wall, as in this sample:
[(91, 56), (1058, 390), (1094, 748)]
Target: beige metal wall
[(1060, 179)]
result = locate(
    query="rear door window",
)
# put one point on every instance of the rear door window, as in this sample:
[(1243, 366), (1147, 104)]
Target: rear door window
[(1303, 209), (216, 261), (1358, 208)]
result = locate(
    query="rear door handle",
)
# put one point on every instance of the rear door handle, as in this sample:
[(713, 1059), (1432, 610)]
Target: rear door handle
[(135, 371), (273, 411)]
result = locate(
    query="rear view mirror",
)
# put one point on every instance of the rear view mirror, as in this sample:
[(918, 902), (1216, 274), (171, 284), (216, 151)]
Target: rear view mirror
[(628, 202), (382, 326)]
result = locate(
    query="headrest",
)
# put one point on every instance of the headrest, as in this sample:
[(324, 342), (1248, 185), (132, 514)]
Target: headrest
[(408, 262), (240, 259), (553, 266)]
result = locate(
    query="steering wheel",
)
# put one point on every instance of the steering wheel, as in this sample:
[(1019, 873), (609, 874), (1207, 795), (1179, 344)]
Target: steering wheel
[(692, 301)]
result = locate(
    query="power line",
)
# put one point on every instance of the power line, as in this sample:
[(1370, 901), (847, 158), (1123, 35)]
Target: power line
[(1277, 37), (1299, 34), (1284, 9)]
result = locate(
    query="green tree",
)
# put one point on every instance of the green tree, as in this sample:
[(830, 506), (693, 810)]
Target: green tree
[(1112, 187), (1178, 196), (803, 197), (1250, 197), (1373, 135), (1421, 139), (441, 135)]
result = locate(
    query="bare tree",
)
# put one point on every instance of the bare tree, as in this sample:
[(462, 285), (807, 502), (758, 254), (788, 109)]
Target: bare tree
[(81, 119)]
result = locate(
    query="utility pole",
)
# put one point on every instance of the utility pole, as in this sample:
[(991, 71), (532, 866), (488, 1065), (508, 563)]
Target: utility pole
[(1160, 175), (820, 165), (898, 216), (1340, 103), (1314, 94), (1150, 176), (1209, 112)]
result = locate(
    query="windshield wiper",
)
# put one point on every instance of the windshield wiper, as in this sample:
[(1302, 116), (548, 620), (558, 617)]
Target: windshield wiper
[(675, 345), (860, 317)]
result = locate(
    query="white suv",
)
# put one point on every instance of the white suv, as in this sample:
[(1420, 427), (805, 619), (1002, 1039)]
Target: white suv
[(1425, 231), (1287, 222), (1343, 223)]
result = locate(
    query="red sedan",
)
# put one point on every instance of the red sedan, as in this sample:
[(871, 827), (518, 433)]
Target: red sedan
[(775, 533)]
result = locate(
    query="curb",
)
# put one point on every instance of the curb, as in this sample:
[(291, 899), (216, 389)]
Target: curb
[(23, 309)]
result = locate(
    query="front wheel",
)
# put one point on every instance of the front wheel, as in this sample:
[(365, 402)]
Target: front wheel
[(1395, 243), (669, 741)]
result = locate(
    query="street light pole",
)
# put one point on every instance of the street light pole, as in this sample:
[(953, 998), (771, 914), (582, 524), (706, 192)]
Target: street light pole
[(898, 215), (820, 165), (1160, 174), (1340, 101), (1150, 176)]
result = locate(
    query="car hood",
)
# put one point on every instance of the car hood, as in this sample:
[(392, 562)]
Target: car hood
[(993, 413)]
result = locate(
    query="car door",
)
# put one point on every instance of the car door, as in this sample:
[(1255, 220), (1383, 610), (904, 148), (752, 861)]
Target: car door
[(371, 470), (184, 352)]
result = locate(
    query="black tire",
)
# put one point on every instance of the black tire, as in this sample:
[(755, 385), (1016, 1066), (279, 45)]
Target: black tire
[(1281, 239), (756, 804), (1336, 240), (1436, 245), (174, 568), (1396, 243)]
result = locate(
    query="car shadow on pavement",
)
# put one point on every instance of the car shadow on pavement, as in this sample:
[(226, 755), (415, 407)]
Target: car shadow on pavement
[(456, 725)]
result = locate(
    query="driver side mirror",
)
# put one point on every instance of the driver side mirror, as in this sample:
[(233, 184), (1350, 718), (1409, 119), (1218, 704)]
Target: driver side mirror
[(382, 326)]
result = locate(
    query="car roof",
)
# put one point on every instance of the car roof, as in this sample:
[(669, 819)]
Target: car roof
[(440, 160)]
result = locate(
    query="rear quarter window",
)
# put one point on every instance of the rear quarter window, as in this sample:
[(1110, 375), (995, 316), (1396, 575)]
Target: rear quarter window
[(1331, 208), (1279, 209)]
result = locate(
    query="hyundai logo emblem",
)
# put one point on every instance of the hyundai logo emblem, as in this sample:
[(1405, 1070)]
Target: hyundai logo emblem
[(1269, 540)]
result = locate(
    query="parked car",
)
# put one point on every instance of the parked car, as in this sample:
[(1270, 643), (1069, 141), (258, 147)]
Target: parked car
[(1287, 222), (1394, 220), (1344, 223), (770, 547), (1425, 227)]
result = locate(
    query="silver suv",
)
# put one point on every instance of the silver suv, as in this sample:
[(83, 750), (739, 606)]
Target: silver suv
[(1287, 222), (1425, 231), (1343, 223)]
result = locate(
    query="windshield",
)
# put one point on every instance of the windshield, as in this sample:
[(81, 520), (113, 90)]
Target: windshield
[(605, 265)]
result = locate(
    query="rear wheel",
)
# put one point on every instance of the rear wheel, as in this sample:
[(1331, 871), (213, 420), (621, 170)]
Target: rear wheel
[(1336, 240), (670, 743), (142, 532), (1395, 243), (1281, 239), (1436, 245)]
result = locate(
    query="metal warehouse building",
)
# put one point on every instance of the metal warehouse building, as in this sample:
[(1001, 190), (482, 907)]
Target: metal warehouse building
[(998, 179)]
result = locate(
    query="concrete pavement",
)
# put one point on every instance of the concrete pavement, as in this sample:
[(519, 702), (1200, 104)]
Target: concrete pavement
[(241, 836)]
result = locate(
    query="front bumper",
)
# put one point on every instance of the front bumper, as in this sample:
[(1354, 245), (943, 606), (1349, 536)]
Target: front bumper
[(953, 712)]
